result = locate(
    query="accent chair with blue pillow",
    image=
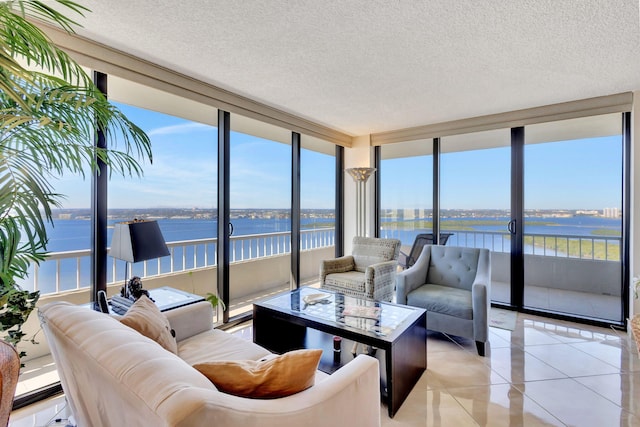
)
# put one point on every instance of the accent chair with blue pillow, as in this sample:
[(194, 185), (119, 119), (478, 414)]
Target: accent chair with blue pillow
[(454, 285)]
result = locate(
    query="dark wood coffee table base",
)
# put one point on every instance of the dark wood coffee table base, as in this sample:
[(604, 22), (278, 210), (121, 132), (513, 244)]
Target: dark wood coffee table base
[(404, 358)]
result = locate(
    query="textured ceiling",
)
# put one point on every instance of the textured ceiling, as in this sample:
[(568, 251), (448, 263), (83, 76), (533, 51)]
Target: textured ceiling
[(365, 66)]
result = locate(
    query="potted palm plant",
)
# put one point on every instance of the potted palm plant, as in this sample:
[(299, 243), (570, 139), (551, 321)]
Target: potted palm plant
[(50, 110)]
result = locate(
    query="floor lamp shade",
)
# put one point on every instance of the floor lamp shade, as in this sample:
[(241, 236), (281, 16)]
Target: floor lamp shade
[(137, 241)]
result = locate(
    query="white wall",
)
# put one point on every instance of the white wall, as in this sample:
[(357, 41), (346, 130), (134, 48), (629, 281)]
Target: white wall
[(359, 155)]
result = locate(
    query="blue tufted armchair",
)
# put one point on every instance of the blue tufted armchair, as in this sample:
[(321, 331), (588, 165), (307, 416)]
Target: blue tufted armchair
[(454, 285)]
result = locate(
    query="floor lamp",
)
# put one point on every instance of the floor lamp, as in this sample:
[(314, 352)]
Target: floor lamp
[(134, 241), (360, 176)]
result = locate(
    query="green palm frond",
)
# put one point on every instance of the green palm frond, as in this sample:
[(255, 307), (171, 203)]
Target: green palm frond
[(21, 40), (50, 112)]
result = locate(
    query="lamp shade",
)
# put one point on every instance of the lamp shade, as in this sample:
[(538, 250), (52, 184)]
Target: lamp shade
[(137, 241)]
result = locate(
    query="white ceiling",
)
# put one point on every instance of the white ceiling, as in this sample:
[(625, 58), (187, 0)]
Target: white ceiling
[(366, 66)]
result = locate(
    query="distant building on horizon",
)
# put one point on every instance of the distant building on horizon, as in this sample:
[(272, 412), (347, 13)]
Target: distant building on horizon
[(611, 213)]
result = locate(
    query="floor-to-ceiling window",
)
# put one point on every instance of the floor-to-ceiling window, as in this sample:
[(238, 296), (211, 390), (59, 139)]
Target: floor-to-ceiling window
[(573, 217), (260, 210), (406, 193), (475, 194), (178, 189), (317, 205)]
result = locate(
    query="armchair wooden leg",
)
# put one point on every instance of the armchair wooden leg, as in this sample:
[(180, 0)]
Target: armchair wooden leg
[(481, 348)]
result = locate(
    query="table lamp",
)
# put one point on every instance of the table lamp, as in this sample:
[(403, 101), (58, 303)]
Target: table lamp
[(137, 240)]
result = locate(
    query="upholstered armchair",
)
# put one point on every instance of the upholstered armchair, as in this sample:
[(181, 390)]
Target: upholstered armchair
[(368, 272), (454, 285)]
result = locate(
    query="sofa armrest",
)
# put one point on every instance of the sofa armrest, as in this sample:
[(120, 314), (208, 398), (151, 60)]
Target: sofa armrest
[(191, 319), (380, 280), (337, 265), (348, 397), (481, 297), (411, 278)]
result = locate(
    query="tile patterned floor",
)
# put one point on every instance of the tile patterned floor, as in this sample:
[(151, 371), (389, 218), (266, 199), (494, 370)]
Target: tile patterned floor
[(544, 373)]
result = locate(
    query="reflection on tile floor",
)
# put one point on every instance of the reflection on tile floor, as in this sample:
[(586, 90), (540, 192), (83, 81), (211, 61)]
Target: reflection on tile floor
[(545, 373)]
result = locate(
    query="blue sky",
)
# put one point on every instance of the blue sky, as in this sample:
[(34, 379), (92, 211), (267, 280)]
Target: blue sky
[(582, 174), (184, 171)]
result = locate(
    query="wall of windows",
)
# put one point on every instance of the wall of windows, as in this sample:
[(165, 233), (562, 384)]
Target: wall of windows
[(546, 199)]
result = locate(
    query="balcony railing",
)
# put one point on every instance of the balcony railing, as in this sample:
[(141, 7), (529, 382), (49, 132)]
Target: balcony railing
[(70, 270), (66, 271), (606, 248)]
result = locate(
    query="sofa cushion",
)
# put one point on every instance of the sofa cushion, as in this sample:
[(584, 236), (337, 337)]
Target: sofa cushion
[(268, 378), (145, 317), (442, 299), (352, 280), (215, 344)]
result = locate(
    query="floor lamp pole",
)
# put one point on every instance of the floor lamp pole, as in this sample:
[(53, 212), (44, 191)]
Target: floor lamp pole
[(360, 176)]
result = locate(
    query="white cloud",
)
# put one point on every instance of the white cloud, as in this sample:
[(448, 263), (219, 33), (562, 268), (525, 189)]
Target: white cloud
[(177, 129)]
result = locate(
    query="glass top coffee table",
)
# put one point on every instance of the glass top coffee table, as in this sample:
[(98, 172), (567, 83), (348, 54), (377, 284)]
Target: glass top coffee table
[(310, 318)]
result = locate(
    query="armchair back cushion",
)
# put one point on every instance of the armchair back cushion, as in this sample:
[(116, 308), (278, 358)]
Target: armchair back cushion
[(453, 267), (369, 250)]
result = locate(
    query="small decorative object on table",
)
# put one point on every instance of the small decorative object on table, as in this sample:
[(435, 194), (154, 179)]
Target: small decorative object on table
[(134, 286), (316, 298), (360, 311)]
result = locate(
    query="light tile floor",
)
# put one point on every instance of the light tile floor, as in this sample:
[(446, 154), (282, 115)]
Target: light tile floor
[(544, 373)]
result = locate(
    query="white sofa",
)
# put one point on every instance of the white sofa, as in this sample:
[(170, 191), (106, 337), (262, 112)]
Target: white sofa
[(114, 376)]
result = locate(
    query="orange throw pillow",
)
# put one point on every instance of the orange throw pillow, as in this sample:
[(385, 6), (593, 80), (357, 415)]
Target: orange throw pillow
[(269, 378), (145, 317)]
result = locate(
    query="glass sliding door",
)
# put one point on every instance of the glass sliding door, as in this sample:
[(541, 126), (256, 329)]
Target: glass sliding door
[(475, 196), (260, 211), (317, 206), (572, 217), (406, 193), (178, 190)]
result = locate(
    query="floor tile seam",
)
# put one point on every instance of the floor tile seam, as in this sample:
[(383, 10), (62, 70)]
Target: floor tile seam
[(450, 338), (504, 381), (602, 395), (566, 375), (464, 409), (573, 379), (539, 404), (595, 357), (518, 387), (520, 391)]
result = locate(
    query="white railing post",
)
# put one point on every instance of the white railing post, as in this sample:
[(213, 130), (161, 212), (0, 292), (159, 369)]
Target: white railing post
[(78, 273)]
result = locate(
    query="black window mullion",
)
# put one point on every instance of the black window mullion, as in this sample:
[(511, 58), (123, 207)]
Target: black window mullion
[(626, 214), (99, 207), (435, 211), (224, 138), (377, 159), (517, 216), (339, 208), (295, 210)]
